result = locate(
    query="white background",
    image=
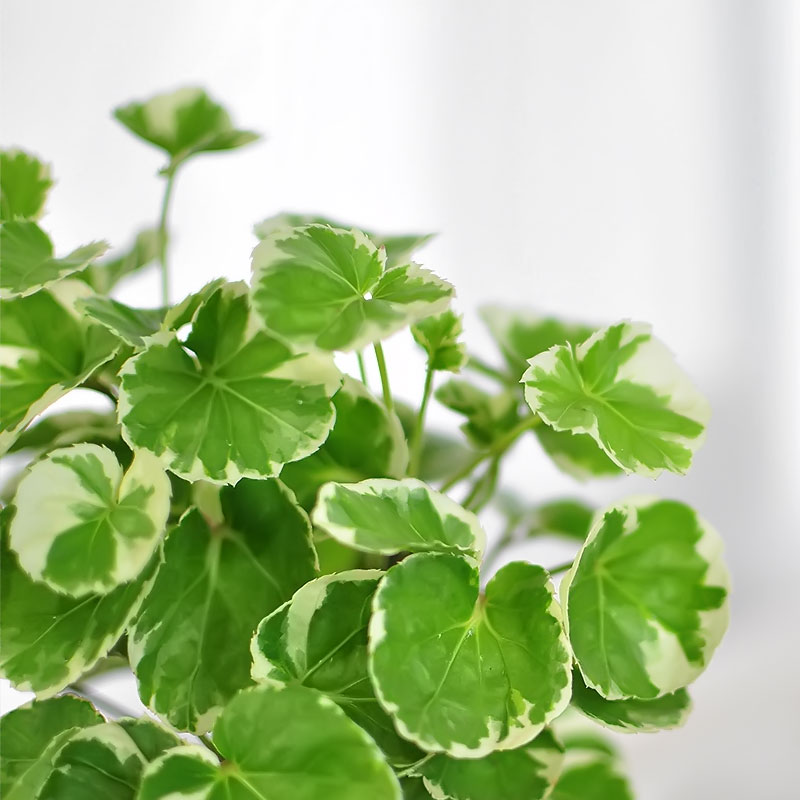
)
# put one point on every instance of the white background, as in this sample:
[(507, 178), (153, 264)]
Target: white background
[(596, 160)]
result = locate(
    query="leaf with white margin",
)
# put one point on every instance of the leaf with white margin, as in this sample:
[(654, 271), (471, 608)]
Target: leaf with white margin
[(106, 761), (47, 639), (526, 773), (104, 275), (329, 288), (183, 123), (632, 715), (388, 516), (81, 526), (46, 349), (32, 735), (319, 640), (595, 780), (27, 263), (645, 602), (278, 744), (623, 388), (24, 184), (465, 673), (399, 247), (439, 336), (231, 401), (366, 441), (66, 428), (189, 645)]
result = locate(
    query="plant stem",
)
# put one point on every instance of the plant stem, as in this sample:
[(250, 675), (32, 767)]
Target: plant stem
[(387, 392), (162, 234), (480, 494), (206, 740), (495, 451), (479, 365), (415, 766), (419, 427), (362, 368)]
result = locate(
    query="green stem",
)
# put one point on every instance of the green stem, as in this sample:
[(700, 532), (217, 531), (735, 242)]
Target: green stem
[(479, 365), (419, 427), (480, 494), (362, 368), (404, 773), (206, 740), (387, 392), (495, 451), (162, 234)]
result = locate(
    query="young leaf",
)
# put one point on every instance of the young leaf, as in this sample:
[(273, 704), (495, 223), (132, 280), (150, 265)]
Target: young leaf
[(45, 350), (104, 275), (31, 736), (329, 288), (645, 600), (463, 673), (595, 780), (387, 516), (399, 247), (131, 325), (189, 644), (28, 263), (278, 744), (623, 388), (366, 441), (81, 527), (231, 401), (24, 184), (632, 715), (576, 454), (47, 640), (527, 773), (105, 761), (439, 336), (183, 123), (319, 640)]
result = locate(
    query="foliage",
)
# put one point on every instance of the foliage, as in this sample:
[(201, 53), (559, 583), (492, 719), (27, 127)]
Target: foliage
[(278, 551)]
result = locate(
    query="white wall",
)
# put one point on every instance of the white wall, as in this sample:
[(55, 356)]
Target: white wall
[(597, 160)]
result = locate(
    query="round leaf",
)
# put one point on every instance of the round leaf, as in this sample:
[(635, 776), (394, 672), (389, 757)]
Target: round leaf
[(623, 388), (279, 744), (645, 600), (230, 402), (326, 287), (24, 184), (463, 673), (81, 526)]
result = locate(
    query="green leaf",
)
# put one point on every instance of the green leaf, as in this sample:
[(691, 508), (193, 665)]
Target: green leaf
[(27, 263), (47, 640), (131, 325), (568, 518), (527, 773), (366, 441), (623, 388), (319, 640), (329, 288), (645, 600), (278, 744), (414, 789), (597, 780), (521, 334), (229, 402), (632, 715), (183, 123), (466, 673), (489, 416), (46, 349), (189, 644), (104, 275), (106, 761), (388, 516), (577, 454), (31, 736), (66, 428), (399, 247), (439, 336), (24, 185), (83, 527)]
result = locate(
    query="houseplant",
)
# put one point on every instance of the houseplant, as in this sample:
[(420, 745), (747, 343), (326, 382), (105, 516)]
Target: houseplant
[(274, 549)]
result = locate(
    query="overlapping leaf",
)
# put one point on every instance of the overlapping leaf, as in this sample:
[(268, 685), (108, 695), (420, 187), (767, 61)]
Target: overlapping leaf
[(189, 644), (439, 336), (329, 288), (24, 184), (463, 673), (645, 601), (623, 388), (366, 441), (105, 274), (577, 454), (46, 349), (388, 516), (278, 744), (231, 401), (47, 640), (81, 527)]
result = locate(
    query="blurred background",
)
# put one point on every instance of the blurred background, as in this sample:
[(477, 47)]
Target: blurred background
[(591, 160)]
